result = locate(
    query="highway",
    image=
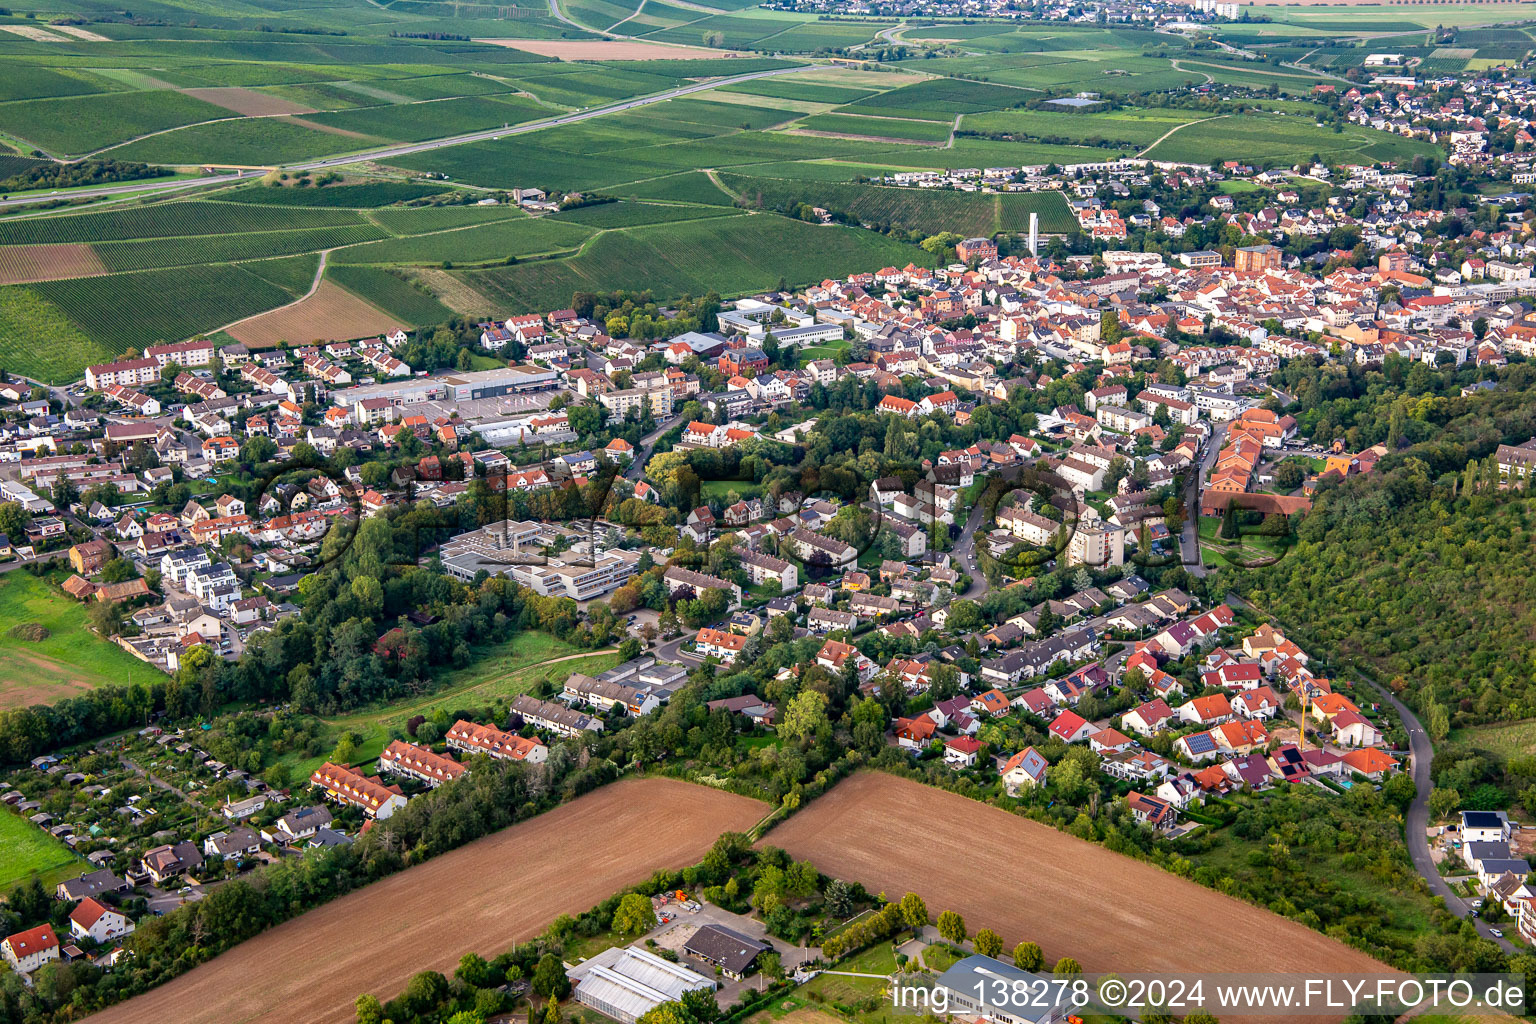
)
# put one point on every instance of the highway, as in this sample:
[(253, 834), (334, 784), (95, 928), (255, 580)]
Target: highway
[(391, 152)]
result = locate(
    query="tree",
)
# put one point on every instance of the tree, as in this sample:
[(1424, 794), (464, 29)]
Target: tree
[(666, 1013), (1027, 956), (634, 915), (805, 716), (14, 520), (119, 570), (989, 943), (839, 898), (771, 965), (369, 1011), (1066, 967), (1443, 802), (549, 978), (914, 912), (952, 926)]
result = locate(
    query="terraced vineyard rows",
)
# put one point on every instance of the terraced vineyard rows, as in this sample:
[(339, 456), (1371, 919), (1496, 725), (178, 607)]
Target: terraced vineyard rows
[(912, 209), (176, 252), (169, 220), (133, 310), (730, 255)]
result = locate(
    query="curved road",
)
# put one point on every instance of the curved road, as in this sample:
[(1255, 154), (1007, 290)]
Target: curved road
[(391, 152), (1422, 756)]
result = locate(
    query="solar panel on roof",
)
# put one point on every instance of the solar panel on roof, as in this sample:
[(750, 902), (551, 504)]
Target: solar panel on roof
[(1200, 743)]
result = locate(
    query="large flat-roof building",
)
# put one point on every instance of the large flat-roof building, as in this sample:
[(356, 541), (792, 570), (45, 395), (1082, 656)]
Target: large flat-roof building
[(625, 983)]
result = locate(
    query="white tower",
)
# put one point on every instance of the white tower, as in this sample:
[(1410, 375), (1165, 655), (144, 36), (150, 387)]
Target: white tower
[(1034, 234)]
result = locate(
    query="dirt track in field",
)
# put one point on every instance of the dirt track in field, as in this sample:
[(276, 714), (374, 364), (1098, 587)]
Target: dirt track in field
[(248, 101), (481, 898), (330, 313), (1029, 881), (23, 264), (607, 49)]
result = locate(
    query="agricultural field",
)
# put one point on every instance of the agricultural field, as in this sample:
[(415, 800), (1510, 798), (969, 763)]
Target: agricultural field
[(896, 835), (730, 255), (330, 313), (619, 835), (942, 98), (930, 210), (394, 295), (412, 122), (168, 220), (423, 219), (37, 339), (1124, 127), (153, 253), (1276, 139), (792, 90), (245, 142), (628, 215), (356, 197), (78, 125), (23, 264), (878, 127), (484, 243), (69, 659), (123, 311), (685, 187)]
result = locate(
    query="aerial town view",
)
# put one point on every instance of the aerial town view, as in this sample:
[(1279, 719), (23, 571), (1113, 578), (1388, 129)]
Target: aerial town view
[(785, 512)]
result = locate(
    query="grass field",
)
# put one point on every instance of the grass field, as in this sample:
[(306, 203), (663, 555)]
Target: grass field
[(27, 850), (70, 660), (506, 670), (1506, 739)]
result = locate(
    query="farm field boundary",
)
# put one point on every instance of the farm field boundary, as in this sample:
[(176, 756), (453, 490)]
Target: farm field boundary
[(480, 898), (896, 835)]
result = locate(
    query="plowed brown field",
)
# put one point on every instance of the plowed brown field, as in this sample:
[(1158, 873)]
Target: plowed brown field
[(23, 264), (331, 313), (481, 898), (1029, 881)]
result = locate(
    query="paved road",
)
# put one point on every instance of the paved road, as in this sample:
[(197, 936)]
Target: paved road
[(1422, 756), (965, 554), (636, 466), (424, 147), (549, 122), (123, 190), (1189, 538)]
